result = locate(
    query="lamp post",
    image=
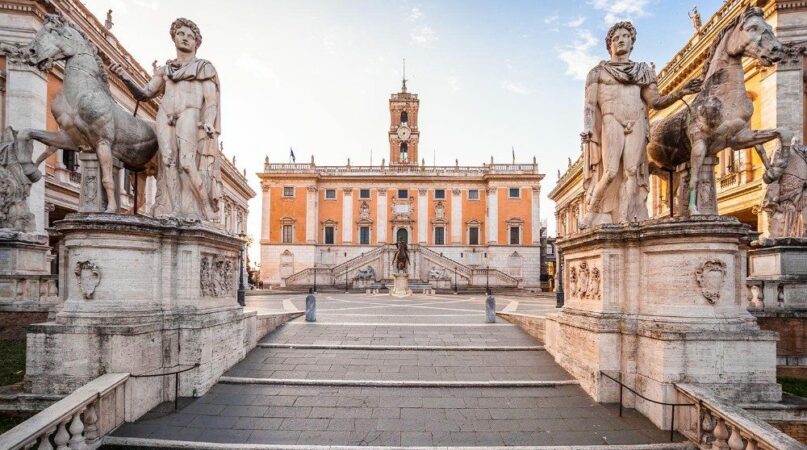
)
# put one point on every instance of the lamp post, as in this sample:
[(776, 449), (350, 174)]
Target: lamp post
[(315, 277), (241, 293), (347, 269), (487, 279), (455, 279)]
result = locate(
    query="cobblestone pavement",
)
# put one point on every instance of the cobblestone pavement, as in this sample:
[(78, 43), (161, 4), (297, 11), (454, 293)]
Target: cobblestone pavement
[(358, 415)]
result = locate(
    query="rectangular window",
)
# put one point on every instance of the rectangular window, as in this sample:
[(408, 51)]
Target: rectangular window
[(288, 234), (364, 235), (70, 160), (288, 191), (330, 194), (515, 192), (439, 236), (364, 193), (515, 235), (473, 194), (403, 193), (473, 236), (329, 235), (440, 194)]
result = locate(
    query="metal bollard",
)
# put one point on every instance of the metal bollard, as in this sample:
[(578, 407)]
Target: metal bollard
[(311, 307), (490, 308)]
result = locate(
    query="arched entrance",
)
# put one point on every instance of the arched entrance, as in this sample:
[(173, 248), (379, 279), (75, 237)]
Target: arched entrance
[(402, 235)]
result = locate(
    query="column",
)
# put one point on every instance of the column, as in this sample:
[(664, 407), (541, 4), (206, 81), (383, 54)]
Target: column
[(311, 225), (492, 218), (26, 106), (266, 213), (456, 216), (381, 217), (423, 216), (536, 214), (347, 216)]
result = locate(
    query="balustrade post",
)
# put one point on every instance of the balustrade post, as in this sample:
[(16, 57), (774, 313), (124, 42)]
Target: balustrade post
[(91, 423), (44, 440), (735, 440), (752, 445), (77, 433), (707, 426), (721, 435), (62, 436)]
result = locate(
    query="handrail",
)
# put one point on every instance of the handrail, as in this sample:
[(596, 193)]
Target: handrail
[(75, 417), (673, 405), (176, 380)]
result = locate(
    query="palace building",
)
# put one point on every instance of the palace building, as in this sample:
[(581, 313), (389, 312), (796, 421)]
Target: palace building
[(464, 225), (778, 95)]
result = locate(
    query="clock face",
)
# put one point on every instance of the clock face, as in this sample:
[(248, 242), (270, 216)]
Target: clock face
[(404, 132)]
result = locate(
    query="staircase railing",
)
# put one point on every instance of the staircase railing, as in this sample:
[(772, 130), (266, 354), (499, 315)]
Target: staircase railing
[(444, 260), (358, 260)]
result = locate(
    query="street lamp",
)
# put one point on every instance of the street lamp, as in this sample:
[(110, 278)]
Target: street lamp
[(241, 292), (455, 279), (487, 279), (347, 269)]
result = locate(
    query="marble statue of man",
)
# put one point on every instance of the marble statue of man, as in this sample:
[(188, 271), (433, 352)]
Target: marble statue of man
[(188, 125), (619, 93)]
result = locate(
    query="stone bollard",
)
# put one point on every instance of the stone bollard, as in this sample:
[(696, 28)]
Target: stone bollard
[(311, 307), (490, 308)]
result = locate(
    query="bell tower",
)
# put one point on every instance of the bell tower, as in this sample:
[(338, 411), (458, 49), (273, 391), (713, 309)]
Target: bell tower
[(403, 132)]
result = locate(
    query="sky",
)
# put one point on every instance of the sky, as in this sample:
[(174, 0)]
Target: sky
[(492, 76)]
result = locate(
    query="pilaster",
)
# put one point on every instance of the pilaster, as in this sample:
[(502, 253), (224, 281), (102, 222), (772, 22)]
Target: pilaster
[(347, 216), (381, 215), (456, 216), (492, 219), (423, 216)]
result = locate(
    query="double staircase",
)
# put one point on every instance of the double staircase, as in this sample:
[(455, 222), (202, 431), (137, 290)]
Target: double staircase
[(420, 256)]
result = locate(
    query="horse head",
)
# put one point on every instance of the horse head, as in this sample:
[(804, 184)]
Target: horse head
[(56, 41), (754, 38)]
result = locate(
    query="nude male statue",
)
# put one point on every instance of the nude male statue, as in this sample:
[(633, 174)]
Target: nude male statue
[(188, 125), (619, 93)]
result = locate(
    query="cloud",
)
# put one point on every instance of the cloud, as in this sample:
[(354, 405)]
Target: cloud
[(453, 82), (551, 19), (255, 66), (576, 22), (423, 35), (578, 56), (515, 87), (616, 10), (415, 14)]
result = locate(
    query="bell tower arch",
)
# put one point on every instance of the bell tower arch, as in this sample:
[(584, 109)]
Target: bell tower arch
[(403, 132)]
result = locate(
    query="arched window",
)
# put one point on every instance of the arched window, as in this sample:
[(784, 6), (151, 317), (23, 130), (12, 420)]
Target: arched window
[(404, 151), (404, 117)]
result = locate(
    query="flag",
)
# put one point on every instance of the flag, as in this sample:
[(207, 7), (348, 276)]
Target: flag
[(291, 155), (514, 154)]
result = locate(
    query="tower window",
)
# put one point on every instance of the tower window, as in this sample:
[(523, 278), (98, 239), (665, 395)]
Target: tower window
[(404, 151), (288, 233), (439, 236), (288, 191), (403, 193), (404, 117), (515, 193), (439, 193), (364, 193), (329, 235), (364, 235), (473, 236), (330, 194), (473, 194)]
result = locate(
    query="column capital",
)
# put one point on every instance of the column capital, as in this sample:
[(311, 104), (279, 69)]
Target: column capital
[(311, 188), (422, 191), (348, 191), (792, 58), (491, 190), (456, 191)]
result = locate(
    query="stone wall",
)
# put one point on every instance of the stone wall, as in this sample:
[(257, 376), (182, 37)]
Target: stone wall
[(13, 324), (535, 326)]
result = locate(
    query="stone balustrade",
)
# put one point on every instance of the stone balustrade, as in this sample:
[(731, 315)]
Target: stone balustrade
[(78, 421), (392, 170), (715, 424)]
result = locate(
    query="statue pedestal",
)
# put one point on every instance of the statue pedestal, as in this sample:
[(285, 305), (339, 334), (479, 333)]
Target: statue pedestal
[(659, 303), (141, 296), (706, 197), (400, 287), (26, 284), (92, 196), (777, 279)]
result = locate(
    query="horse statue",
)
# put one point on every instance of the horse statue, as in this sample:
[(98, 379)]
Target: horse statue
[(720, 115), (785, 201), (89, 118), (401, 257)]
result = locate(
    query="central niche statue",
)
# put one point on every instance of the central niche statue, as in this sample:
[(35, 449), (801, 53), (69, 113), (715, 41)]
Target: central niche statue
[(619, 92), (188, 126), (401, 257)]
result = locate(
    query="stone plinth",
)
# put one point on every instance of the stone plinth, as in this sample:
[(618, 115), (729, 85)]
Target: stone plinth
[(661, 302), (26, 284), (777, 281), (141, 296), (400, 286)]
